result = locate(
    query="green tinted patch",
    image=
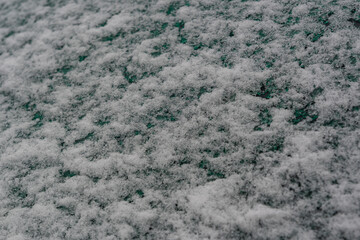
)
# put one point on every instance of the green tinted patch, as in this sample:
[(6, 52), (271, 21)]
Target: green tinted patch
[(202, 91), (267, 89), (300, 62), (9, 34), (317, 36), (278, 145), (261, 33), (180, 25), (120, 140), (164, 26), (257, 128), (334, 123), (87, 137), (316, 92), (217, 174), (38, 124), (128, 198), (216, 154), (352, 78), (356, 22), (198, 46), (68, 173), (29, 107), (314, 11), (255, 17), (203, 164), (222, 128), (140, 193), (133, 77), (355, 108), (290, 21), (324, 18), (18, 192), (67, 210), (159, 49), (273, 145), (302, 113), (159, 29), (211, 172), (314, 36), (65, 69), (292, 33), (82, 58), (270, 63), (112, 37), (103, 122), (173, 7), (130, 77), (150, 125), (225, 61), (185, 160), (155, 32), (265, 117), (183, 40), (103, 24), (256, 51), (166, 116), (156, 54), (352, 60), (38, 115)]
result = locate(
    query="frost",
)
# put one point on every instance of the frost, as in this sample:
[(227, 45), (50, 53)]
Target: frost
[(179, 119)]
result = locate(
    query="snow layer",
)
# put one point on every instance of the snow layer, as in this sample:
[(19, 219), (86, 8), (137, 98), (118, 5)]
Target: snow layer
[(181, 119)]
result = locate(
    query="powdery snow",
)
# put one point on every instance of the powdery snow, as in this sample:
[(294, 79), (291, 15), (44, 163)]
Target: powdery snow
[(179, 119)]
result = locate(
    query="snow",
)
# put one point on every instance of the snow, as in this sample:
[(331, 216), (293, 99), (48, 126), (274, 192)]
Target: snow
[(179, 119)]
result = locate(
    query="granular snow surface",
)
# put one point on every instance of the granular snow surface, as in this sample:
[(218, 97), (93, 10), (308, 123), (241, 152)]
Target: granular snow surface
[(179, 119)]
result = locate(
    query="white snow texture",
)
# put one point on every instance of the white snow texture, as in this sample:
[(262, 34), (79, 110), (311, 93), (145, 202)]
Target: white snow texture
[(179, 119)]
